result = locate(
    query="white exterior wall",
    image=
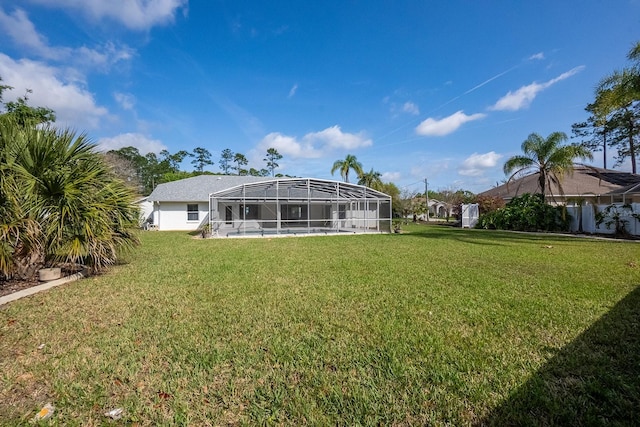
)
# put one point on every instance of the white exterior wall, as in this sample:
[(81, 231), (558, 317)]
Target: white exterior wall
[(173, 215), (361, 217), (146, 211)]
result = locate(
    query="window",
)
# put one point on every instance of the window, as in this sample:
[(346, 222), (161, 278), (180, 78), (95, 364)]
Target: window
[(192, 212), (250, 211)]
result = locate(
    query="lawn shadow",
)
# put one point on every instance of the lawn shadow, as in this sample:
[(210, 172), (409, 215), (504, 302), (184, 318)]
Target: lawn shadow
[(485, 237), (594, 380)]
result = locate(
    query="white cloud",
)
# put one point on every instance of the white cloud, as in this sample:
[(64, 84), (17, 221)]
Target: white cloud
[(288, 146), (523, 97), (398, 107), (447, 125), (314, 144), (391, 176), (133, 14), (411, 108), (126, 100), (24, 34), (293, 90), (102, 57), (73, 104), (537, 56), (334, 138), (476, 164), (141, 142)]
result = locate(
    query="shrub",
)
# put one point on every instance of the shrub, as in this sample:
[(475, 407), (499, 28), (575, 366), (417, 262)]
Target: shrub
[(59, 202), (528, 212), (488, 204)]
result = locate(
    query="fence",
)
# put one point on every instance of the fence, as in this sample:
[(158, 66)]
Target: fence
[(470, 214), (583, 218)]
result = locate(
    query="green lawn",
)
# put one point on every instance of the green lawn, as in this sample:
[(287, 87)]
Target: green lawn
[(437, 326)]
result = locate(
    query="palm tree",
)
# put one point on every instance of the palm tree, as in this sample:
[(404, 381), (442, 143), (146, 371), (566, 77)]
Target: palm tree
[(350, 162), (19, 243), (371, 179), (70, 207), (616, 103), (548, 157)]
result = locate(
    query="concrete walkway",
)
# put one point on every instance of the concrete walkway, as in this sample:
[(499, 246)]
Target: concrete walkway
[(39, 288)]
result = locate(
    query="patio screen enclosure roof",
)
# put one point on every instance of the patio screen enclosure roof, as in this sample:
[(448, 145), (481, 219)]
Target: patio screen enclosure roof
[(298, 206)]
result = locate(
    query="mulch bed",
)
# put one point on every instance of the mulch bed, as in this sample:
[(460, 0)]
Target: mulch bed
[(10, 286)]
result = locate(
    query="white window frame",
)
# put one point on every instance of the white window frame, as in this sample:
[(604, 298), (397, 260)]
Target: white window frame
[(191, 212)]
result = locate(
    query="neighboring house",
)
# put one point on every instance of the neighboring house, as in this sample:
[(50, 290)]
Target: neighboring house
[(437, 209), (245, 205), (590, 185)]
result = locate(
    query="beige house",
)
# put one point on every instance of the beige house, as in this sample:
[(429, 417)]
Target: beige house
[(586, 184), (437, 209)]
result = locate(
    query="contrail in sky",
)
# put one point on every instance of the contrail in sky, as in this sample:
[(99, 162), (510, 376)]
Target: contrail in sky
[(451, 100), (491, 79), (474, 88)]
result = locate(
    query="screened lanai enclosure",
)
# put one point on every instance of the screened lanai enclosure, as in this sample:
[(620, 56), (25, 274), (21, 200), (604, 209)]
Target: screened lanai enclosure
[(295, 206)]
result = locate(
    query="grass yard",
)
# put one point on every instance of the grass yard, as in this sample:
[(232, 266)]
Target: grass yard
[(438, 326)]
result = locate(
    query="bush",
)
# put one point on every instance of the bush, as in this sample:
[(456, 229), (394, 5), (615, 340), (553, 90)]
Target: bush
[(528, 212), (59, 202), (488, 204)]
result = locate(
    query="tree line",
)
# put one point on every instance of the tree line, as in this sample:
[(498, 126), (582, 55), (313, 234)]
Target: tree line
[(144, 173)]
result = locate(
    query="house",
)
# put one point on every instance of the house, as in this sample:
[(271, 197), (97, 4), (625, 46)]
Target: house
[(587, 193), (437, 209), (184, 204), (247, 205), (586, 184)]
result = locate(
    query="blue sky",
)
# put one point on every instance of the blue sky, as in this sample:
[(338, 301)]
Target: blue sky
[(444, 90)]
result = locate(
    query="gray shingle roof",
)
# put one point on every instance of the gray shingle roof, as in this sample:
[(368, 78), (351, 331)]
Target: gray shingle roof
[(583, 181), (198, 188)]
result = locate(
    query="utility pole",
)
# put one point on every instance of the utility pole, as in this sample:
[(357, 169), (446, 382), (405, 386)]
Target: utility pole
[(426, 193)]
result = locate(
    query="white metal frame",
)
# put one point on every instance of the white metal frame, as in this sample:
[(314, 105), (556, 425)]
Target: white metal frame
[(324, 206)]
